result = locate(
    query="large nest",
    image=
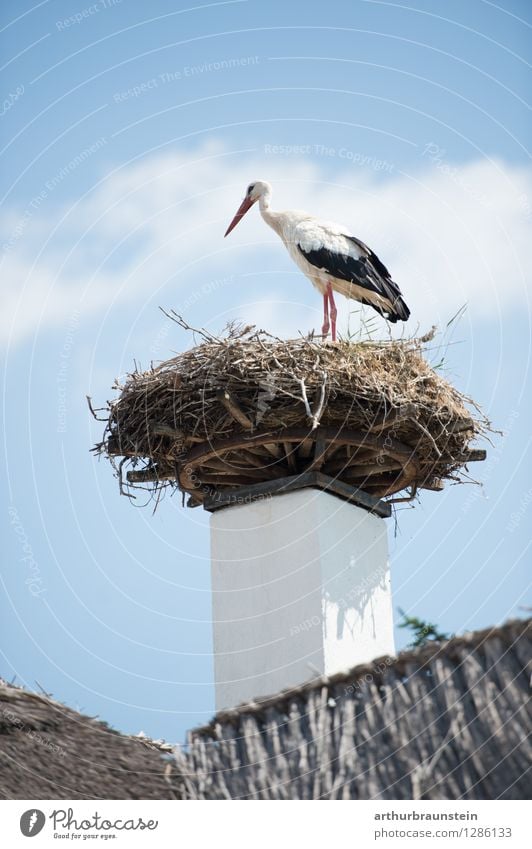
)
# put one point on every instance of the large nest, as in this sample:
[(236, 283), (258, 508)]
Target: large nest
[(249, 409)]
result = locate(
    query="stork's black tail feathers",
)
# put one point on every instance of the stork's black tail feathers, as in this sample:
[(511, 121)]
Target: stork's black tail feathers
[(376, 276), (400, 311)]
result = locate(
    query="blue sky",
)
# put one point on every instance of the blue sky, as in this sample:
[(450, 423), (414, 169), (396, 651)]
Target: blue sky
[(129, 133)]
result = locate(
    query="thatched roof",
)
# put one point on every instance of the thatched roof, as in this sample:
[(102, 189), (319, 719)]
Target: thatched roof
[(48, 751), (250, 410), (447, 721)]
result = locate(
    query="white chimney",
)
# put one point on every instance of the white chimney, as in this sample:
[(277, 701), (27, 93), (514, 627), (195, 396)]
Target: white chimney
[(301, 588)]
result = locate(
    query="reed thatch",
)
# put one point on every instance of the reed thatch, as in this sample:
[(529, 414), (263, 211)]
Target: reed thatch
[(48, 751), (251, 409), (447, 721)]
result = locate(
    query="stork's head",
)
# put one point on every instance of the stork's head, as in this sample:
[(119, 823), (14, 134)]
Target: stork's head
[(254, 192)]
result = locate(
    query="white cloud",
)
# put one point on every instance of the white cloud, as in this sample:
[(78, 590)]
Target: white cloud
[(153, 232)]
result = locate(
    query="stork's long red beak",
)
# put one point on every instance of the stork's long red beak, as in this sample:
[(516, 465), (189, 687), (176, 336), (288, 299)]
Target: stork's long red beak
[(241, 211)]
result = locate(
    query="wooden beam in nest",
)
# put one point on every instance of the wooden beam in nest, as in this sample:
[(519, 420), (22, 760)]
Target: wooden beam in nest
[(290, 455), (351, 456), (476, 455), (368, 469), (289, 484), (390, 448), (394, 417), (273, 449), (252, 458), (319, 455), (229, 469), (305, 449), (217, 479), (151, 475), (388, 484), (340, 465), (459, 426)]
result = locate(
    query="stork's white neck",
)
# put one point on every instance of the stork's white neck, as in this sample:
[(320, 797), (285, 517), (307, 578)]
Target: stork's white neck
[(264, 200), (270, 217)]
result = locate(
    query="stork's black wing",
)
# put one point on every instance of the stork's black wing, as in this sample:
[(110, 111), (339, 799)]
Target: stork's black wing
[(366, 271)]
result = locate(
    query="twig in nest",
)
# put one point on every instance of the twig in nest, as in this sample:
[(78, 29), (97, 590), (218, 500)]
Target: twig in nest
[(164, 430), (96, 410), (225, 398), (316, 418), (174, 316), (304, 397), (428, 435), (121, 480), (313, 417)]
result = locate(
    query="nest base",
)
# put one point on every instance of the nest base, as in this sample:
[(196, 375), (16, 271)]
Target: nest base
[(313, 480), (250, 414)]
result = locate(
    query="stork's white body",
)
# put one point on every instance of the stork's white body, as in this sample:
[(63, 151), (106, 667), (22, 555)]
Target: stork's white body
[(302, 233), (330, 257)]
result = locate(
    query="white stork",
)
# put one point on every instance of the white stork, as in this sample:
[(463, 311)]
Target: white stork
[(330, 258)]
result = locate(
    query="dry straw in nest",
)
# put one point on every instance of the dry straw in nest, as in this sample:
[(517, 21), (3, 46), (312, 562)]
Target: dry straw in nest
[(249, 408)]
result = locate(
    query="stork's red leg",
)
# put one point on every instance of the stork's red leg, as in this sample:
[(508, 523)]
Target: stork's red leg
[(325, 328), (334, 311)]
